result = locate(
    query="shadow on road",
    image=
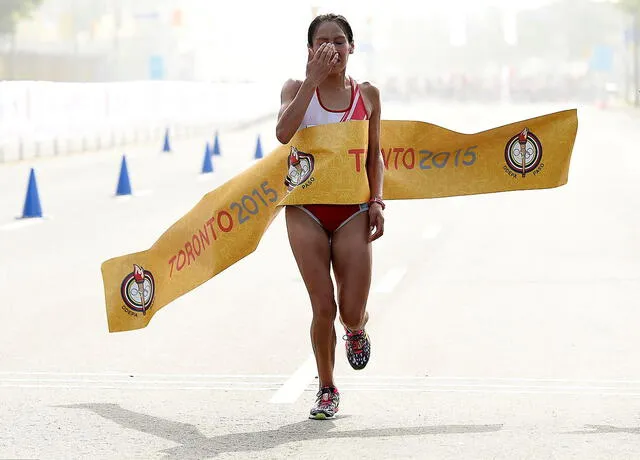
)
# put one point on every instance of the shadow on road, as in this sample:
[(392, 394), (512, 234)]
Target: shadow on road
[(193, 444)]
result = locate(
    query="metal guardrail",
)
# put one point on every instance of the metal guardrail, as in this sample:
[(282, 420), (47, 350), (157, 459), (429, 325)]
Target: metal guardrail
[(48, 119)]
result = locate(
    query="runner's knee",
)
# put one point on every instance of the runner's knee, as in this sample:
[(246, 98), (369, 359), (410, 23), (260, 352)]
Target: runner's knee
[(352, 318), (324, 308)]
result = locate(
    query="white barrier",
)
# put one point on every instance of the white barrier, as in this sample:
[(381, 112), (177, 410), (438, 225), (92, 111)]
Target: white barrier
[(46, 118)]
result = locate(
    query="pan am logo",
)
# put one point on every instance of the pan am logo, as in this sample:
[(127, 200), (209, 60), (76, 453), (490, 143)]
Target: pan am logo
[(523, 153), (138, 290), (300, 168)]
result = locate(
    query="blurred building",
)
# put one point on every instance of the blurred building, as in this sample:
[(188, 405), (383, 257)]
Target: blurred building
[(75, 40), (489, 50), (110, 40)]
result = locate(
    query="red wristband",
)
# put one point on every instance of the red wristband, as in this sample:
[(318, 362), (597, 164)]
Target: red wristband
[(377, 200)]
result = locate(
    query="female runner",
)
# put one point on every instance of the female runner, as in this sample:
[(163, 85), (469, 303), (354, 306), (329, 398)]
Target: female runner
[(326, 235)]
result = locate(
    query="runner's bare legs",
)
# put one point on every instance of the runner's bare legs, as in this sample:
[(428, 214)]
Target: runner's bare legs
[(311, 250), (351, 257)]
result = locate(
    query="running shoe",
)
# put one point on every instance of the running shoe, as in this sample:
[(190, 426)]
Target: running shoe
[(358, 347), (326, 406)]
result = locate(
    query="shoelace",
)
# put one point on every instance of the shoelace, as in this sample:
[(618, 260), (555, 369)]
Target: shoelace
[(355, 339), (329, 400)]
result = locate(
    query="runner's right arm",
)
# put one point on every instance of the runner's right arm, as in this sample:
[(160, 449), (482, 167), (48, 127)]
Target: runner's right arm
[(296, 95)]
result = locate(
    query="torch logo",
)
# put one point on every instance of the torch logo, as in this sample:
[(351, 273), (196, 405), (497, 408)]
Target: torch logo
[(523, 152), (300, 168), (138, 290)]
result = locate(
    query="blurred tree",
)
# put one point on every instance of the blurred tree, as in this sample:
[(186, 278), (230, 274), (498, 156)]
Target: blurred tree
[(630, 5), (11, 11), (633, 8)]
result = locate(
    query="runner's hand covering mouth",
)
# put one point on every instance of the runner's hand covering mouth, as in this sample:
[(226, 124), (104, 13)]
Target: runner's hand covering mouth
[(320, 63)]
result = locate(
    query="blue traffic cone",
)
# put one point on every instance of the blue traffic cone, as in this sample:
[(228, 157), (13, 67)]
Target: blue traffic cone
[(216, 146), (207, 165), (32, 206), (124, 186), (167, 145), (258, 154)]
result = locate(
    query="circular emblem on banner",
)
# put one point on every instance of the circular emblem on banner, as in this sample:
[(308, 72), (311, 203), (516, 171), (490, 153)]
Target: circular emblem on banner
[(299, 168), (138, 290), (523, 152)]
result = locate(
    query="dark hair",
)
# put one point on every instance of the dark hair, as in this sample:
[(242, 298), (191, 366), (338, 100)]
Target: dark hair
[(337, 18)]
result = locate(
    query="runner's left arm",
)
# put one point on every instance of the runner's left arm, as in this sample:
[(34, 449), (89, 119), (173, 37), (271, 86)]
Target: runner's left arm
[(375, 165)]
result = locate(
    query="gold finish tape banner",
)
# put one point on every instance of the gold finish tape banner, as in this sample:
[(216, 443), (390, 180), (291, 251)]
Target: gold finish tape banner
[(326, 164)]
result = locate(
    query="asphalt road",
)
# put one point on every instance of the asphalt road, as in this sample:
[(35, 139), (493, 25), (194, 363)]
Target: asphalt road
[(503, 326)]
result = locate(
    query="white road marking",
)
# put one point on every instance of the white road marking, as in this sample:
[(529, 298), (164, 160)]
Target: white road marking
[(376, 379), (302, 380), (137, 386), (133, 381), (517, 391), (390, 280), (22, 223), (297, 383), (134, 374), (139, 381)]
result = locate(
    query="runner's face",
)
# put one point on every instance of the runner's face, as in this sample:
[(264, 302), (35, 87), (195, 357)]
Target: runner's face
[(330, 32)]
